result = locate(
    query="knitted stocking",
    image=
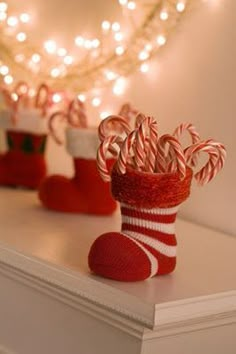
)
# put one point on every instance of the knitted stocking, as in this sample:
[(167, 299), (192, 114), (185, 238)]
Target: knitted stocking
[(146, 245), (23, 164), (85, 192)]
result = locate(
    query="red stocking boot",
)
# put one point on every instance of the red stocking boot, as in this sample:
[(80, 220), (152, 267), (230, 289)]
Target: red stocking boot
[(23, 164), (85, 192), (146, 245)]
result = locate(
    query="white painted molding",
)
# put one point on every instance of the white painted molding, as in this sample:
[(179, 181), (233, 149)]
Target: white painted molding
[(119, 309)]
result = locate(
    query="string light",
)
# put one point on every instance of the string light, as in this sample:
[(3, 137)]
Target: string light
[(180, 6), (3, 7), (106, 25), (164, 15), (4, 70), (56, 98), (21, 36), (161, 40), (24, 18), (120, 51), (131, 5), (50, 46), (8, 79), (12, 21), (104, 115), (96, 102), (144, 68), (82, 97), (36, 58)]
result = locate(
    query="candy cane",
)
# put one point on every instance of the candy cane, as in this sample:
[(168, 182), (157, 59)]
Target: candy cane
[(125, 155), (127, 111), (145, 147), (42, 98), (62, 116), (105, 147), (77, 109), (104, 127), (194, 136), (217, 155), (180, 162)]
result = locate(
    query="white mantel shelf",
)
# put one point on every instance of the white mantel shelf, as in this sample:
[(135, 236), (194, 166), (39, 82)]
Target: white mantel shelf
[(48, 251)]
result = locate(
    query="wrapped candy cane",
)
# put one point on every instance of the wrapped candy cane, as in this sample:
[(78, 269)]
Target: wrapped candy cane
[(115, 120), (126, 154), (75, 116), (42, 98), (127, 111), (217, 155), (176, 165), (106, 147), (194, 137), (146, 143)]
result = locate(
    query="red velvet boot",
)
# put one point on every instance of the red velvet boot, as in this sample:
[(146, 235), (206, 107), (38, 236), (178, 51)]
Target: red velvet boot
[(146, 245), (85, 192), (23, 164)]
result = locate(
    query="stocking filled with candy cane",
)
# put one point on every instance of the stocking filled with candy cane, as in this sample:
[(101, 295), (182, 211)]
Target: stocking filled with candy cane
[(151, 178), (23, 116), (86, 192)]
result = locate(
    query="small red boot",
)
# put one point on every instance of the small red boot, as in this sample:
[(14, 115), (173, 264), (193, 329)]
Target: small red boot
[(146, 245), (24, 163), (85, 192)]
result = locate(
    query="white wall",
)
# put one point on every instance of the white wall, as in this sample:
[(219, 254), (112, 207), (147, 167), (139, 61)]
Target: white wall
[(193, 80)]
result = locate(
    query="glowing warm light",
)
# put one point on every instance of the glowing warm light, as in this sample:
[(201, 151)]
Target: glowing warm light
[(79, 41), (21, 37), (12, 21), (104, 115), (115, 27), (131, 5), (95, 43), (81, 97), (24, 18), (3, 16), (88, 44), (118, 36), (119, 87), (120, 50), (4, 70), (61, 52), (8, 79), (161, 40), (164, 15), (110, 75), (96, 101), (14, 96), (180, 6), (36, 58), (68, 60), (148, 47), (106, 25), (143, 55), (19, 58), (55, 72), (32, 92), (3, 7), (144, 68), (50, 46), (123, 2), (56, 98)]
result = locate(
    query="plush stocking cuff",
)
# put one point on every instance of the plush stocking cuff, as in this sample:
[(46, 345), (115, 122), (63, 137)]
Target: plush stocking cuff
[(150, 190)]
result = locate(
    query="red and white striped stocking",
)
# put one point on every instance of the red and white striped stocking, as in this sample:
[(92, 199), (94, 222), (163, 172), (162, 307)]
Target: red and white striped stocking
[(146, 245)]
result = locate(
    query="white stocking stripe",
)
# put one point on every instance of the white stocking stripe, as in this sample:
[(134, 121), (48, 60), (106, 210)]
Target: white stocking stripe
[(153, 261), (166, 250), (156, 211), (156, 226)]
